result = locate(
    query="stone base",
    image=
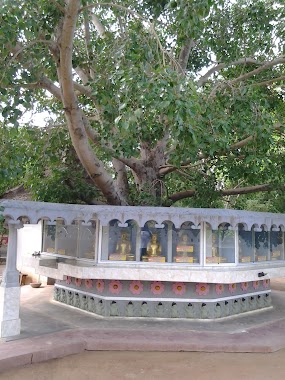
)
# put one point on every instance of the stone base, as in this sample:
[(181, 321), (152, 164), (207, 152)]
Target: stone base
[(114, 298), (10, 328), (9, 311)]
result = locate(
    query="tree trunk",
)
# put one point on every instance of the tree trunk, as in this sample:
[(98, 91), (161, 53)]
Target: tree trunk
[(73, 114)]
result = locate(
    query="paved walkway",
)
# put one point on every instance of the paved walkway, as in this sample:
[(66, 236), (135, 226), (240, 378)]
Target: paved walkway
[(52, 330)]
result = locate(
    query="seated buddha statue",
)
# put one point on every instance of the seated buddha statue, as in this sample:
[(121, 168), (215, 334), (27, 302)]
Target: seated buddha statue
[(183, 247), (123, 246), (153, 248)]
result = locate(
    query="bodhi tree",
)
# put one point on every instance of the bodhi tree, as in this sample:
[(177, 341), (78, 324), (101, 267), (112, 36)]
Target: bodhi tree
[(163, 101)]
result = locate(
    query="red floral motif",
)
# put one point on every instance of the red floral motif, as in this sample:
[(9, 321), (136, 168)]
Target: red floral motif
[(88, 283), (136, 287), (219, 288), (115, 287), (202, 289), (232, 288), (255, 284), (179, 288), (100, 285), (68, 280), (244, 285), (78, 281), (266, 283), (157, 287)]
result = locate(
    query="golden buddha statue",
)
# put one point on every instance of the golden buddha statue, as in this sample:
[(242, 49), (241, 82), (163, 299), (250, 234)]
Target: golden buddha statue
[(123, 249), (123, 246), (153, 248), (183, 247)]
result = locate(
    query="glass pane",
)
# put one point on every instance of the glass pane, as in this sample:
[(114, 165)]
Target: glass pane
[(86, 243), (119, 243), (245, 249), (276, 245), (49, 234), (67, 239), (261, 245), (220, 245), (227, 244), (186, 245), (154, 243)]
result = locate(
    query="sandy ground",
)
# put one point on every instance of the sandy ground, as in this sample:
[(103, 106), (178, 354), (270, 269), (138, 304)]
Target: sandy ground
[(111, 365)]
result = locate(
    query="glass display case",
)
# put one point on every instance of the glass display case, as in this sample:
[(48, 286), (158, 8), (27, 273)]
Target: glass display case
[(245, 246), (76, 240), (261, 244), (220, 244), (128, 242), (164, 243), (276, 244), (119, 241), (186, 244)]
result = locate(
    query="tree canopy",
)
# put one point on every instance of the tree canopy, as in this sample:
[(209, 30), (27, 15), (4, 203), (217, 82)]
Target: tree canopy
[(150, 102)]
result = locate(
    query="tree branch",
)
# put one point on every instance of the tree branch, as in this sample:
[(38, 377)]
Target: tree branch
[(243, 77), (122, 178), (58, 5), (142, 19), (98, 25), (220, 66), (184, 55), (236, 191), (270, 81), (265, 66)]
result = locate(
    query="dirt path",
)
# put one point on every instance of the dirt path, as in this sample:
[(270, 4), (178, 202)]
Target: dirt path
[(111, 365)]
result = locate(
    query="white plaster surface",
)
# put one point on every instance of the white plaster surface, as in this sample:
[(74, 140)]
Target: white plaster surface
[(29, 239), (168, 272)]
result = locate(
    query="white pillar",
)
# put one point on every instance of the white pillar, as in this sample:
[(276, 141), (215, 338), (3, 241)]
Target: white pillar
[(10, 322)]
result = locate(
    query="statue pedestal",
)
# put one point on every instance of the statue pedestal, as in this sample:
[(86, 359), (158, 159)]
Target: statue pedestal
[(246, 259), (216, 260), (117, 257), (183, 259), (156, 259)]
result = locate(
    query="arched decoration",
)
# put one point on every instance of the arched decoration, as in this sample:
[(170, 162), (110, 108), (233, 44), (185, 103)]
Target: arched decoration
[(24, 219), (245, 244), (60, 221), (274, 227), (147, 218), (256, 227), (188, 220), (242, 227), (43, 218), (186, 244), (282, 227)]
